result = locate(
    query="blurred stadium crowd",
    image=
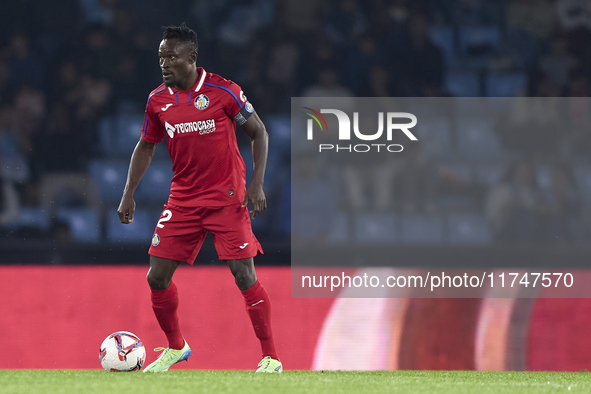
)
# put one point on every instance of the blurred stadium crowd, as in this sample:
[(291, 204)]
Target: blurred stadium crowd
[(75, 74)]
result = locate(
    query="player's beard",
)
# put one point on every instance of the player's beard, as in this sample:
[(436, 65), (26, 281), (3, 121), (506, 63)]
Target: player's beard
[(169, 83)]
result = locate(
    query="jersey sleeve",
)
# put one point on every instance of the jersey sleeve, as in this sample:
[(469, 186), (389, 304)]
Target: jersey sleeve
[(152, 130), (237, 106)]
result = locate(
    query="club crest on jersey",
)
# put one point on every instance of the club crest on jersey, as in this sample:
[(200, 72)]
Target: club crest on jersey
[(155, 240), (249, 107), (201, 101)]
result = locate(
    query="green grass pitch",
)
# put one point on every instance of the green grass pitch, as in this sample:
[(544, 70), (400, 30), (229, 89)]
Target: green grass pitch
[(244, 382)]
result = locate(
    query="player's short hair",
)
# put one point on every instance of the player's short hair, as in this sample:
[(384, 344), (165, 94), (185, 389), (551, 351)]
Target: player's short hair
[(183, 33)]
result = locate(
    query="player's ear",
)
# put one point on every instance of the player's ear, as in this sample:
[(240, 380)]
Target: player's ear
[(193, 57)]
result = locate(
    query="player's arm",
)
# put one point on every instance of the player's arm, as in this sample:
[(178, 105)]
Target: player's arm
[(257, 132), (140, 161)]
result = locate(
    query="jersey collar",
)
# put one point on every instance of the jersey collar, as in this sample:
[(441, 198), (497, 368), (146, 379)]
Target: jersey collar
[(198, 84)]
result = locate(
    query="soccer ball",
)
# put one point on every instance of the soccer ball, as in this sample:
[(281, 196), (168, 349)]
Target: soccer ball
[(122, 351)]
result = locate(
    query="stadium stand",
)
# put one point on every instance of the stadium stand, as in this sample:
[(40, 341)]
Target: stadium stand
[(94, 99)]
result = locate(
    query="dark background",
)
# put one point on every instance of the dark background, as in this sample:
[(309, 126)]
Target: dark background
[(75, 76)]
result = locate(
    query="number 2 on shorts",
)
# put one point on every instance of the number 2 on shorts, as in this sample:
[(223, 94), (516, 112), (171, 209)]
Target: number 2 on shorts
[(166, 215)]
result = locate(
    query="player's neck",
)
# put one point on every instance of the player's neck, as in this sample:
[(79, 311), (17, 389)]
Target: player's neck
[(188, 82)]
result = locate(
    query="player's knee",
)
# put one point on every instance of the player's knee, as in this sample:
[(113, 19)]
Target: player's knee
[(244, 280), (244, 273), (157, 282)]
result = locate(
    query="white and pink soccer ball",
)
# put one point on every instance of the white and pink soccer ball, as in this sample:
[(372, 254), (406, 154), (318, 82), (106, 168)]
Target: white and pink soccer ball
[(122, 351)]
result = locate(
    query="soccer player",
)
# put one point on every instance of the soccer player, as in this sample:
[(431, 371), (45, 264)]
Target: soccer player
[(198, 112)]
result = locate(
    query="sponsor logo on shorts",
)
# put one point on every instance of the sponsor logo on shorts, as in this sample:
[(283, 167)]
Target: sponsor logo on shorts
[(244, 246), (155, 240)]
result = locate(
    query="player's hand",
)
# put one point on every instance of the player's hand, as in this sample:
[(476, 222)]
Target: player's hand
[(256, 196), (126, 210)]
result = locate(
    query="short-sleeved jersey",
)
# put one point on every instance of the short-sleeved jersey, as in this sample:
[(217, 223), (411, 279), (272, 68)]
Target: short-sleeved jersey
[(200, 126)]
